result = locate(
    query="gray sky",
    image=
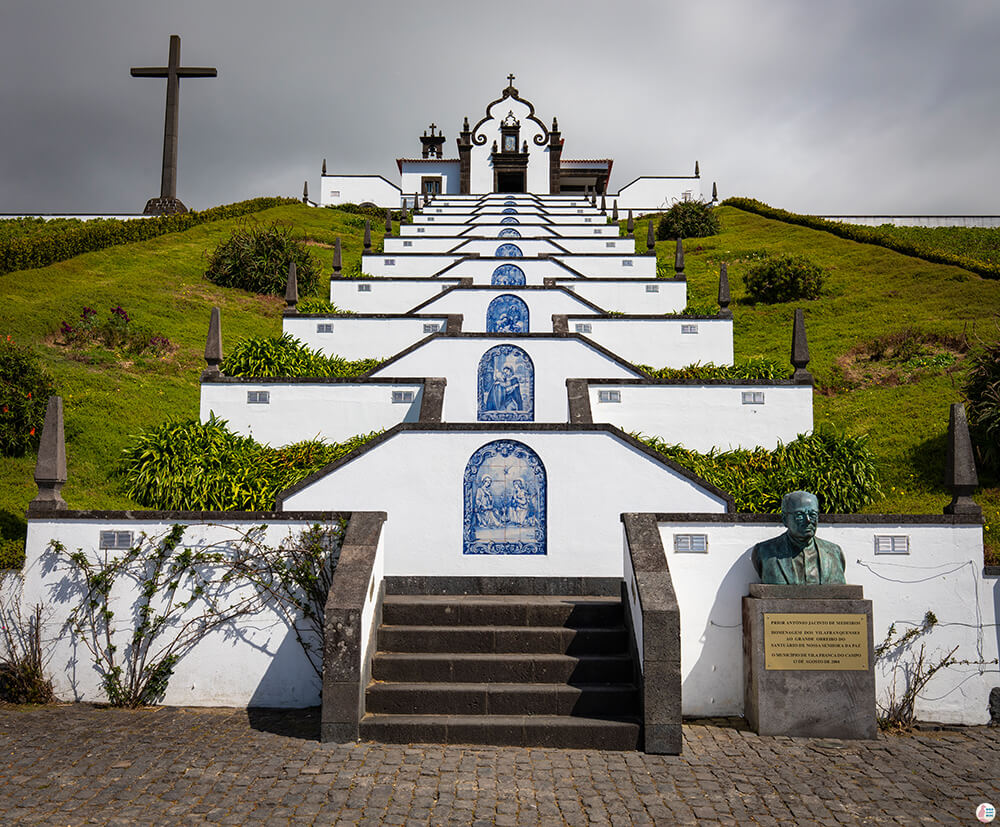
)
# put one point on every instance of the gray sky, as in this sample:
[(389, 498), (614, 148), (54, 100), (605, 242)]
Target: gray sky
[(853, 106)]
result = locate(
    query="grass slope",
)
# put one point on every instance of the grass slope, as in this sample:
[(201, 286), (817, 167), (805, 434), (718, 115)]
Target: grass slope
[(869, 291)]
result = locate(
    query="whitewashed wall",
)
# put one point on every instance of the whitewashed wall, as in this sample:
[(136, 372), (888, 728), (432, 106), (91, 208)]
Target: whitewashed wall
[(457, 360), (258, 663), (661, 343), (384, 295), (334, 411), (358, 189), (362, 337), (702, 417), (942, 573), (631, 296), (481, 177), (405, 265), (472, 303), (592, 477), (414, 171), (536, 270), (612, 266), (421, 244), (655, 193), (439, 230)]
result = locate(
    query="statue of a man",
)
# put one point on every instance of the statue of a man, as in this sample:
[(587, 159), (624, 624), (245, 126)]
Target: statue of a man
[(798, 557)]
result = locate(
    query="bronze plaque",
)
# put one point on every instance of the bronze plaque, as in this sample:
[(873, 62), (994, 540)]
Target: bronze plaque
[(816, 641)]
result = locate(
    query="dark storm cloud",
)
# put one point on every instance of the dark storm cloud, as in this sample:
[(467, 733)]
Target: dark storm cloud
[(852, 106)]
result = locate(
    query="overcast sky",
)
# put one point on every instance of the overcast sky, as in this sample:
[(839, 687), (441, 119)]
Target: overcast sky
[(852, 106)]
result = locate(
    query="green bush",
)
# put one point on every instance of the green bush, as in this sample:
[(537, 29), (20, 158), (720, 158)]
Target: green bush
[(11, 552), (285, 356), (783, 278), (64, 240), (193, 466), (982, 393), (317, 304), (256, 258), (367, 210), (116, 331), (839, 469), (25, 388), (688, 219), (868, 235), (754, 369)]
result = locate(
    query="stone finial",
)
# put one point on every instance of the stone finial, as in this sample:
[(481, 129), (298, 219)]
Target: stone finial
[(604, 205), (388, 221), (324, 166), (800, 347), (960, 465), (593, 198), (213, 346), (650, 238), (555, 124), (427, 199), (50, 468), (416, 203), (465, 124), (630, 225), (697, 172), (614, 211), (337, 263), (679, 258), (715, 191), (368, 235), (305, 192), (724, 297), (292, 287)]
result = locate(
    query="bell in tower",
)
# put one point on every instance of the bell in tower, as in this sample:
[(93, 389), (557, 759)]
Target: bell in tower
[(432, 146)]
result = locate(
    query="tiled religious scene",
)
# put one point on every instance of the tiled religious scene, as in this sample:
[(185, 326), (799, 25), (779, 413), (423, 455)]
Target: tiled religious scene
[(506, 385)]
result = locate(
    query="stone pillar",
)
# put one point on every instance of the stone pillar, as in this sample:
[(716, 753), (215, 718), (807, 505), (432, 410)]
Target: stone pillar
[(291, 289), (800, 348), (50, 467), (679, 259), (724, 297), (465, 159), (213, 346), (960, 465), (555, 158)]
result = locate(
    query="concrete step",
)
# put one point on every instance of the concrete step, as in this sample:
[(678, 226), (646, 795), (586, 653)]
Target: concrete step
[(504, 730), (503, 639), (437, 667), (506, 610), (587, 700)]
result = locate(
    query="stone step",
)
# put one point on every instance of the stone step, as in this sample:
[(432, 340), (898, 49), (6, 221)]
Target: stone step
[(587, 700), (559, 731), (507, 610), (437, 667), (502, 639)]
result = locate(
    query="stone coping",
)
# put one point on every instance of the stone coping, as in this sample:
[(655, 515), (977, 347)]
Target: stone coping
[(68, 514), (789, 382), (629, 317), (364, 379), (818, 591), (837, 519)]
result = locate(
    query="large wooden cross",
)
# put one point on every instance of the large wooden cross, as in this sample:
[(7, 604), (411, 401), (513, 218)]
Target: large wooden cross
[(173, 72)]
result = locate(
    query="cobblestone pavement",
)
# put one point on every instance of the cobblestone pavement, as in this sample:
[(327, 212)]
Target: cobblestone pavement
[(79, 764)]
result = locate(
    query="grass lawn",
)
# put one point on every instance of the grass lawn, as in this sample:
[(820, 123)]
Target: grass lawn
[(869, 292)]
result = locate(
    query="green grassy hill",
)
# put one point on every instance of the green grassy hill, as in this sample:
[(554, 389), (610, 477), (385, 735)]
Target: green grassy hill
[(870, 293)]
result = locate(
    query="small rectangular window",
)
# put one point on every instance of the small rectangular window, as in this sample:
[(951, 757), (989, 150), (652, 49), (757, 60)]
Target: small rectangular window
[(609, 396), (432, 327), (389, 262), (437, 210), (694, 543), (627, 262), (116, 539), (597, 230), (892, 544), (335, 193), (430, 218), (689, 328), (324, 327), (402, 396), (753, 397), (587, 220), (407, 243), (584, 327), (652, 288), (364, 288), (258, 397), (610, 244), (421, 229), (580, 212)]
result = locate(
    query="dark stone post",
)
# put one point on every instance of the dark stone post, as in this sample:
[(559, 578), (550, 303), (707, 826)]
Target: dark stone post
[(724, 297), (679, 259), (337, 264), (213, 346), (593, 198), (324, 166), (555, 158), (368, 235), (416, 203), (604, 205), (650, 239), (50, 467), (291, 289), (388, 222), (305, 192), (630, 225), (800, 348), (715, 192), (614, 211), (697, 172), (960, 465), (465, 159)]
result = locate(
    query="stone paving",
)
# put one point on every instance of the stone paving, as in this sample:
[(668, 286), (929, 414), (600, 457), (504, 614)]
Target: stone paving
[(80, 764)]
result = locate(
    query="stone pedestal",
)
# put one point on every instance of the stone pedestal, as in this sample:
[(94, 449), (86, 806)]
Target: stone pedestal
[(164, 206), (808, 662)]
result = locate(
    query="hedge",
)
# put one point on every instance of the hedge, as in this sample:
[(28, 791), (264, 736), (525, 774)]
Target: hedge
[(41, 249), (865, 235)]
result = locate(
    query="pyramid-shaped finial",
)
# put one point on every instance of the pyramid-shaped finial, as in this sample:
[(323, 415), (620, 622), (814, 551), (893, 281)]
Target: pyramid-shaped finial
[(337, 263), (630, 225), (800, 348), (614, 211), (604, 205), (213, 346), (324, 166), (960, 465), (697, 171), (465, 124), (416, 203), (715, 191), (292, 287), (593, 198), (305, 192), (724, 297), (50, 467), (368, 235), (650, 238), (679, 258), (388, 221)]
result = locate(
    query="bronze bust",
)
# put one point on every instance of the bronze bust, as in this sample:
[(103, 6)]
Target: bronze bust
[(798, 557)]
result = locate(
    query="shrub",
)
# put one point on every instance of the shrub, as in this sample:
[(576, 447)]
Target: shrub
[(256, 258), (117, 331), (193, 466), (367, 210), (783, 278), (25, 388), (839, 469), (688, 219), (317, 304), (285, 356), (754, 369), (982, 393)]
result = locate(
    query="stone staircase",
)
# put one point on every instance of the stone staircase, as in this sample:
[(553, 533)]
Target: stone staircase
[(514, 670)]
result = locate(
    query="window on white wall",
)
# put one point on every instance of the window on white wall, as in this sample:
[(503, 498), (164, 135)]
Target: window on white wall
[(364, 288), (892, 544), (402, 396), (324, 327), (627, 262), (753, 397), (116, 539), (692, 543), (584, 327), (652, 288), (689, 329), (609, 396), (335, 193), (258, 397), (431, 327)]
